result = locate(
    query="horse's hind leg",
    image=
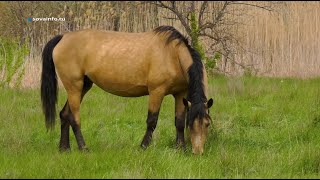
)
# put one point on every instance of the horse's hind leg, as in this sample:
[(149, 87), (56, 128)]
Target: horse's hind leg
[(155, 100), (68, 118), (65, 125)]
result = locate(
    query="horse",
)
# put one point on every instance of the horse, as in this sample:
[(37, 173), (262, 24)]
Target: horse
[(155, 63)]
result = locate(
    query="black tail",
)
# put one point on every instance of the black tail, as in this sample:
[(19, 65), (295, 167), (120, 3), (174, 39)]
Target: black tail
[(49, 88)]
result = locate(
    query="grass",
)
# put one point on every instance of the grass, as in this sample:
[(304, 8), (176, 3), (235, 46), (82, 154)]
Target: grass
[(263, 128)]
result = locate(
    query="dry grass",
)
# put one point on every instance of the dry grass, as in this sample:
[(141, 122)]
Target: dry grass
[(281, 44), (32, 73), (32, 77), (284, 44)]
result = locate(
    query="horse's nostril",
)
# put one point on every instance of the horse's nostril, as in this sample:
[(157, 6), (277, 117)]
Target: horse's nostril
[(201, 152), (197, 151)]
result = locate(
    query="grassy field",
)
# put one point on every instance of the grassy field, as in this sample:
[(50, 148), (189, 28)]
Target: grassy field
[(263, 128)]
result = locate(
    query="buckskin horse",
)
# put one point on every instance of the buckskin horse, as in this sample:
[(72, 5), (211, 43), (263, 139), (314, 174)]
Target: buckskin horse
[(155, 63)]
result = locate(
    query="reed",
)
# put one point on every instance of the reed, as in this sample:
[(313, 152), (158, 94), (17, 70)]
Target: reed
[(281, 43)]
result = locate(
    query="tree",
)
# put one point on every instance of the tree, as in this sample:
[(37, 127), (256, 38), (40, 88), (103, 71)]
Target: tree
[(211, 21)]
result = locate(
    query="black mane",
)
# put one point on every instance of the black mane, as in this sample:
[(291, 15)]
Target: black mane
[(195, 87), (174, 34)]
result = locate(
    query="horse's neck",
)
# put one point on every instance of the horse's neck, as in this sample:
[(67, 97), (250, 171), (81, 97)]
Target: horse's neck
[(197, 94), (186, 62)]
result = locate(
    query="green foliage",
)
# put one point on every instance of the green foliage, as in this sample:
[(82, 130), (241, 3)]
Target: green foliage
[(12, 56), (209, 62), (195, 34), (262, 128)]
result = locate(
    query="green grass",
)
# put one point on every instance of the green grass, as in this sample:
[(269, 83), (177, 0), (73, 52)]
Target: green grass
[(263, 128)]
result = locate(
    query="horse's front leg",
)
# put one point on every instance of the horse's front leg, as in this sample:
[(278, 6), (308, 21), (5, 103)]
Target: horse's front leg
[(180, 115), (155, 100)]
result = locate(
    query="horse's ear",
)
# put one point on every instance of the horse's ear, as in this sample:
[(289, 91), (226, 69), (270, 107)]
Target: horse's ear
[(209, 103), (186, 103)]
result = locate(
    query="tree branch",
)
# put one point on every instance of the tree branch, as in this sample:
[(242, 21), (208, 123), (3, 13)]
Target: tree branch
[(176, 12), (210, 36), (253, 5), (220, 15), (201, 12)]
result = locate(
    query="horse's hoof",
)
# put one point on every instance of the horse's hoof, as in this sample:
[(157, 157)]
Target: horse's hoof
[(64, 149), (84, 149), (181, 146), (145, 142), (143, 146)]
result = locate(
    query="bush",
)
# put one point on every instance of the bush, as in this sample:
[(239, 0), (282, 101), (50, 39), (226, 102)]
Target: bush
[(12, 55)]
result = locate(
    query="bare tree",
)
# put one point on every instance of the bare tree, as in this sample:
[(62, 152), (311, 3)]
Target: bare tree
[(212, 22)]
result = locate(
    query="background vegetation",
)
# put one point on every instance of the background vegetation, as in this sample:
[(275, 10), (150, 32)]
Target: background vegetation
[(234, 37)]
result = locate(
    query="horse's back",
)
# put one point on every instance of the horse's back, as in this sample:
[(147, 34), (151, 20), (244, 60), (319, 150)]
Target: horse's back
[(125, 64)]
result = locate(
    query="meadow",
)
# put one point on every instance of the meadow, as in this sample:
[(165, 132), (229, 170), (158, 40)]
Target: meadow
[(262, 128)]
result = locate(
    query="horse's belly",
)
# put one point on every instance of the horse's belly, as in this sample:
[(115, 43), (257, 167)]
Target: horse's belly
[(121, 88), (126, 91)]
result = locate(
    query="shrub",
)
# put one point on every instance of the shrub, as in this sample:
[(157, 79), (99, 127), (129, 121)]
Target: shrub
[(12, 55)]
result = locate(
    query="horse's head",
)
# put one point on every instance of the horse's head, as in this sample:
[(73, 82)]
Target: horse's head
[(198, 122)]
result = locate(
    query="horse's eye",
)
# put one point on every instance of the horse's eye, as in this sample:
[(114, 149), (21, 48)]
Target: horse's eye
[(207, 124)]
